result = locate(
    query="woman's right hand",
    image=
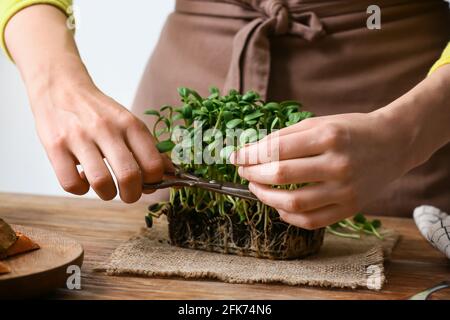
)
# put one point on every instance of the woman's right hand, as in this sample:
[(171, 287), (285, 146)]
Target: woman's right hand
[(76, 122)]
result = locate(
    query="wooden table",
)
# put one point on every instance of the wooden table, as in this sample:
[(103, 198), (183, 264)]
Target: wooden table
[(101, 226)]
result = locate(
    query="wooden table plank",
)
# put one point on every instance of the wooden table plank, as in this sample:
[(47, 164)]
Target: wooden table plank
[(101, 226)]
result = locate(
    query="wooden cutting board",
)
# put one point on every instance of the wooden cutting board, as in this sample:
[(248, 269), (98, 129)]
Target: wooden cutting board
[(40, 271)]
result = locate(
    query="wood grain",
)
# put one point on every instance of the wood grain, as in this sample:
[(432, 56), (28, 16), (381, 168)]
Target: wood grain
[(40, 271), (101, 226)]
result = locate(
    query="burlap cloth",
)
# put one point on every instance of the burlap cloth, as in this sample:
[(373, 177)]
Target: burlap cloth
[(341, 263)]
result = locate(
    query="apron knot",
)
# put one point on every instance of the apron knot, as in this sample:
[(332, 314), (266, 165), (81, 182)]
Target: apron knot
[(306, 24), (276, 10), (251, 56)]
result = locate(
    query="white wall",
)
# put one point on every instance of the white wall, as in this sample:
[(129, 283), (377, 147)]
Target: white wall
[(115, 42)]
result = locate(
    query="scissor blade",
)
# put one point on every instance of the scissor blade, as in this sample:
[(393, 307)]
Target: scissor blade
[(243, 193), (231, 189)]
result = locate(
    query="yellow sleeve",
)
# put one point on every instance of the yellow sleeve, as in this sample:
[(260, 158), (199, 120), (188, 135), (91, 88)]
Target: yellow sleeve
[(444, 59), (8, 8)]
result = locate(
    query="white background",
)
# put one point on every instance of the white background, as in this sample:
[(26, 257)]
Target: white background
[(115, 41)]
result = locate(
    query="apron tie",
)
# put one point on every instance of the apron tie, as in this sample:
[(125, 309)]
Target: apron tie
[(250, 59), (275, 9)]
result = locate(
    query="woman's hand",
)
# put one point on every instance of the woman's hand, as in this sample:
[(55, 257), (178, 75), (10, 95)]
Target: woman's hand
[(80, 125), (77, 123), (347, 160)]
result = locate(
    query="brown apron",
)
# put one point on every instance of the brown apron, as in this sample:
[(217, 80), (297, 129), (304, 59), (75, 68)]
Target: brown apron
[(319, 52)]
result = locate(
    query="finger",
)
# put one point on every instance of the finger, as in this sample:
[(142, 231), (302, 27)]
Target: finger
[(318, 218), (275, 148), (304, 199), (168, 164), (125, 168), (301, 126), (142, 145), (65, 168), (306, 124), (95, 170), (313, 169)]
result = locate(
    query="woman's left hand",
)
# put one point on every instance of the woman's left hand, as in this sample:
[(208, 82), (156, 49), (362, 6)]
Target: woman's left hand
[(347, 160)]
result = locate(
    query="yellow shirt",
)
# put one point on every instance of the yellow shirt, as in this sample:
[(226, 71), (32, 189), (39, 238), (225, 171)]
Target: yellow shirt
[(9, 8)]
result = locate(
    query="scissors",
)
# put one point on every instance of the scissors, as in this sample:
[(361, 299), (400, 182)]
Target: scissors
[(181, 178)]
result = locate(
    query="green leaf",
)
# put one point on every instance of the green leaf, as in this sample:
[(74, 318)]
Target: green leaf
[(251, 122), (359, 218), (289, 103), (152, 112), (165, 146), (274, 123), (183, 92), (271, 106), (306, 115), (231, 105), (214, 93), (196, 113), (227, 116), (376, 224), (209, 105), (295, 117), (252, 116), (250, 96), (233, 92), (233, 123), (246, 108), (186, 111), (196, 96), (367, 226)]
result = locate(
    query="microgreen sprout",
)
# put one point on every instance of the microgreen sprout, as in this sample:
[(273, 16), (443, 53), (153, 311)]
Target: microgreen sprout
[(353, 228), (234, 111), (221, 221)]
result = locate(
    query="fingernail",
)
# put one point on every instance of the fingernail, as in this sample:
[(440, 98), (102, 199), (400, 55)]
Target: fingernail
[(241, 171)]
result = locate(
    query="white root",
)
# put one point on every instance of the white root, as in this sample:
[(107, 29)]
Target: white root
[(434, 225)]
